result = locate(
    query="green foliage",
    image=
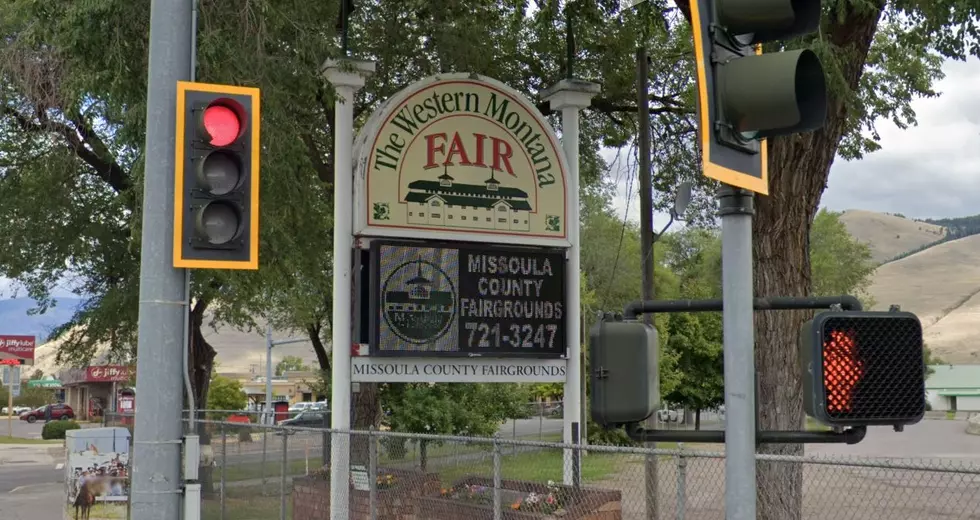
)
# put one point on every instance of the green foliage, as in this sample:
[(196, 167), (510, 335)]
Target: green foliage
[(930, 360), (839, 263), (225, 393), (697, 342), (608, 436), (451, 408), (33, 397), (290, 363), (57, 429)]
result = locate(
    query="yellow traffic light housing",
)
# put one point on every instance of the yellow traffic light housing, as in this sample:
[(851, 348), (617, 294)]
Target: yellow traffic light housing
[(216, 191), (745, 96)]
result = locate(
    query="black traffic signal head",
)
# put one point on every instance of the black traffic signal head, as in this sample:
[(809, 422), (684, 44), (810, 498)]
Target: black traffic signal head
[(216, 195), (863, 368), (623, 371), (745, 96)]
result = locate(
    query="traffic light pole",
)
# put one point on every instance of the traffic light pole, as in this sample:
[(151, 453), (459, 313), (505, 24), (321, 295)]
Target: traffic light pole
[(738, 325), (158, 435)]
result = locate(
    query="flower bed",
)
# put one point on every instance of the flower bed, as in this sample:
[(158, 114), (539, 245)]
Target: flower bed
[(472, 499), (396, 492)]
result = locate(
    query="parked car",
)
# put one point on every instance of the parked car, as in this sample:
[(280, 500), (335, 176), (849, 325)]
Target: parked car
[(16, 411), (59, 412), (308, 419)]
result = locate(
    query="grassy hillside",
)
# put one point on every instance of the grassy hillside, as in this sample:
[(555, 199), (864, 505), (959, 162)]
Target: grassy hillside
[(941, 285), (890, 236)]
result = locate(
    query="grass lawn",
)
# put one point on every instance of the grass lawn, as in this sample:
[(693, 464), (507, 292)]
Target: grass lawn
[(17, 440), (298, 466), (539, 466), (246, 503)]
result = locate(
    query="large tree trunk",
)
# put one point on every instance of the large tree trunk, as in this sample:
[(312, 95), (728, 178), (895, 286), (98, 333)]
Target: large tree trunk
[(798, 167), (367, 414), (201, 363)]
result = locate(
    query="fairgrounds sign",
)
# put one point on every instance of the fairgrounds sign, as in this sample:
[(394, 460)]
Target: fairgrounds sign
[(461, 157)]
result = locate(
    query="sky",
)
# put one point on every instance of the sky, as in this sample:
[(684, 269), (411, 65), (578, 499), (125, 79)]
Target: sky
[(929, 170)]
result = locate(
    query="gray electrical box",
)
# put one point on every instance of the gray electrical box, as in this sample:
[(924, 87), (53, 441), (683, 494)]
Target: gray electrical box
[(623, 371)]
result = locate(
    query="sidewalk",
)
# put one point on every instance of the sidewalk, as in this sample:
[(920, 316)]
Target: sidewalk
[(44, 454)]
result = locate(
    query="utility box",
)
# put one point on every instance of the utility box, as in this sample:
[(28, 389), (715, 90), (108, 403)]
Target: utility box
[(623, 371), (97, 469)]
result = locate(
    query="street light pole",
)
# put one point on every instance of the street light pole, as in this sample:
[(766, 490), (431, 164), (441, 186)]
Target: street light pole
[(269, 344)]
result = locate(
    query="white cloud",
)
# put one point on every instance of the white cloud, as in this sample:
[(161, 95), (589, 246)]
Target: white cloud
[(929, 170)]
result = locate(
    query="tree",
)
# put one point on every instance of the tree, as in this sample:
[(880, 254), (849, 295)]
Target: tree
[(840, 263), (226, 394), (699, 362), (878, 55), (450, 408), (32, 396), (291, 363)]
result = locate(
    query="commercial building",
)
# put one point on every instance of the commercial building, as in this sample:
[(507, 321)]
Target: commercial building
[(954, 388)]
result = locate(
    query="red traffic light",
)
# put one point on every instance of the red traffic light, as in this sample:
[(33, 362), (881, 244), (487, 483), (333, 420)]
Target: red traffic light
[(222, 122)]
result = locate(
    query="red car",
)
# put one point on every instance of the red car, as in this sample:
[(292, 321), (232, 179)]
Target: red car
[(59, 412)]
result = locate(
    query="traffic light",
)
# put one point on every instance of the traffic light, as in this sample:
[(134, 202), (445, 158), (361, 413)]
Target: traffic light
[(625, 382), (216, 192), (745, 96), (863, 368)]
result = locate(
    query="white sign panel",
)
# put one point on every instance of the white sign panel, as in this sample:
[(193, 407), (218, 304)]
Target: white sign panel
[(463, 370)]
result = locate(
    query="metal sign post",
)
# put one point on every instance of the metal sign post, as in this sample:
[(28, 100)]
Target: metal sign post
[(11, 378)]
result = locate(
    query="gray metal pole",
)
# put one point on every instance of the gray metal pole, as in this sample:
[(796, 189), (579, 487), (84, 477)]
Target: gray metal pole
[(736, 210), (268, 375), (646, 246), (159, 372)]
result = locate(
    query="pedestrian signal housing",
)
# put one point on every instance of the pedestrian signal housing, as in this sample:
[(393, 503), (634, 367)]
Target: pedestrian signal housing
[(623, 371), (863, 368)]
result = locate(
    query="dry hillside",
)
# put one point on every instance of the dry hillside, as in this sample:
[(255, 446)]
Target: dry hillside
[(889, 235), (941, 285), (237, 351)]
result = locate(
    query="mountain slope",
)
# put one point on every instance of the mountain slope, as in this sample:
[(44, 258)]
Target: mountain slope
[(941, 285), (14, 318), (889, 235)]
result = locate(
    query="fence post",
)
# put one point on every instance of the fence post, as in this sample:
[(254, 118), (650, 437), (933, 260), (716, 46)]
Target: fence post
[(224, 461), (326, 440), (265, 447), (681, 483), (284, 471), (498, 512), (576, 456), (373, 473)]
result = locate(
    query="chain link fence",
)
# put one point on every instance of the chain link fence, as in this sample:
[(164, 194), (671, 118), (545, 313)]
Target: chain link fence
[(268, 472)]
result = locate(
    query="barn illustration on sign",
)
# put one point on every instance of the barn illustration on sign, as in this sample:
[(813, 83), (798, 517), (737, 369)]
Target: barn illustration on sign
[(416, 311), (445, 202)]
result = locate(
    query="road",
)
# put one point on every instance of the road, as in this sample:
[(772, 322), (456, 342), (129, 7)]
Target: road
[(31, 482)]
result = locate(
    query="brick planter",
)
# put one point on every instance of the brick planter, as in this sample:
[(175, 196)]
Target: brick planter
[(584, 503), (311, 497)]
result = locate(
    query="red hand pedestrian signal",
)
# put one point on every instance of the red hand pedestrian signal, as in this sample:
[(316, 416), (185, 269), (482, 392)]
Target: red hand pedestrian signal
[(863, 368), (841, 370)]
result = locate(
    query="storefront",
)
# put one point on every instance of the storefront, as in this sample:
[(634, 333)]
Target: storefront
[(91, 391)]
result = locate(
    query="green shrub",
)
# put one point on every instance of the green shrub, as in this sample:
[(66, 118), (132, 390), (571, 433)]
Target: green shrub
[(609, 437), (57, 429)]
